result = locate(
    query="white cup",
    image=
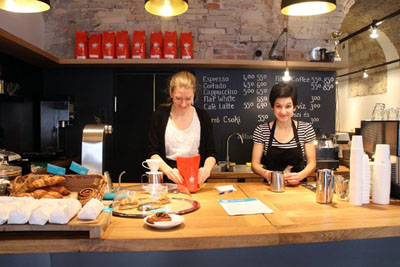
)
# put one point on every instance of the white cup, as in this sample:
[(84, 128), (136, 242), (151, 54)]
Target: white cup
[(356, 142), (152, 164), (382, 154)]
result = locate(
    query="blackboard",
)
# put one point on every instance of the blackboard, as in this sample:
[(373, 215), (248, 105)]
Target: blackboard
[(238, 101)]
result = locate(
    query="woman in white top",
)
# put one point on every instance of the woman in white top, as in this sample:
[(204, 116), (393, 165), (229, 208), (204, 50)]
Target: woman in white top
[(181, 129), (284, 142)]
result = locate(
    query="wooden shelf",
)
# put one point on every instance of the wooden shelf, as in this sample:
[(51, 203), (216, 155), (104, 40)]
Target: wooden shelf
[(16, 47), (204, 63)]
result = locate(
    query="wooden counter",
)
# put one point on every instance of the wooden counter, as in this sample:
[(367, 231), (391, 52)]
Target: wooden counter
[(297, 219)]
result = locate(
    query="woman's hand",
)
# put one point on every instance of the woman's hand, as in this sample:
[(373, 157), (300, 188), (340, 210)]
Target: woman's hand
[(293, 178), (174, 175), (204, 173)]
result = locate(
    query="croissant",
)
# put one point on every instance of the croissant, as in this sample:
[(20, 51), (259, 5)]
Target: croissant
[(52, 194), (39, 193), (59, 189), (46, 180)]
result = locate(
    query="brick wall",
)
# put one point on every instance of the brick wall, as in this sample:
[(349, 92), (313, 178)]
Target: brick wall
[(222, 29), (364, 51)]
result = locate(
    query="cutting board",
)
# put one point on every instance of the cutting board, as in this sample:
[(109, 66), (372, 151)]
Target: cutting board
[(75, 228)]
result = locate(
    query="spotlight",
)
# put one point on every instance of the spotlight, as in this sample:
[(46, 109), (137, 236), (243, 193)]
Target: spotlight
[(365, 74)]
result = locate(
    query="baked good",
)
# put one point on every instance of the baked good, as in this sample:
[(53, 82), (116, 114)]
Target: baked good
[(164, 200), (52, 194), (59, 189), (42, 193), (159, 217), (128, 203), (87, 193), (46, 180)]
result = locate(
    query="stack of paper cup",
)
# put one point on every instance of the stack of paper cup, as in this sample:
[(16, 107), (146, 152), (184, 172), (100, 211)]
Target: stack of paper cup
[(381, 175), (356, 170), (366, 177)]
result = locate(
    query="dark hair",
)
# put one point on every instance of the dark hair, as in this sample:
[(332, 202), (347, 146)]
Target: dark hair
[(281, 90)]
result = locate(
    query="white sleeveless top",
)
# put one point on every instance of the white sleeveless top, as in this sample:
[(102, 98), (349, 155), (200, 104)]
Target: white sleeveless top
[(182, 142)]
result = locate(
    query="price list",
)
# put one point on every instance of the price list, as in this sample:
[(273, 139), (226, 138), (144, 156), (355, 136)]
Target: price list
[(238, 101)]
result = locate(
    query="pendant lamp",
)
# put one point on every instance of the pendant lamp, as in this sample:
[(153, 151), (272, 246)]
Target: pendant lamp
[(25, 6), (166, 8), (307, 7)]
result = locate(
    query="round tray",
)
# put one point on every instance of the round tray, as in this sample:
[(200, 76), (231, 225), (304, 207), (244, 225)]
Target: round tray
[(188, 206)]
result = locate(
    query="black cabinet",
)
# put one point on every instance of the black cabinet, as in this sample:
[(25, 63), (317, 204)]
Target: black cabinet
[(136, 96)]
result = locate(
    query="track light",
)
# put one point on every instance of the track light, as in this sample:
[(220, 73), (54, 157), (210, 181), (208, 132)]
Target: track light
[(365, 74), (307, 7), (374, 33), (166, 8), (25, 6)]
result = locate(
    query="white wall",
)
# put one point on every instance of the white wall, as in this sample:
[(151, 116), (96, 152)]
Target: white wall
[(29, 27), (352, 110)]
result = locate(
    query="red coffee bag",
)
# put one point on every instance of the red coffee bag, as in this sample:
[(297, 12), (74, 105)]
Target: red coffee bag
[(156, 45), (170, 45), (139, 44), (108, 45), (81, 46), (122, 45), (186, 45), (95, 46)]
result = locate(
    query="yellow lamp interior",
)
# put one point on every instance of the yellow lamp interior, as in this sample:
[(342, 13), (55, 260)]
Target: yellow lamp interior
[(24, 6), (166, 8), (308, 8)]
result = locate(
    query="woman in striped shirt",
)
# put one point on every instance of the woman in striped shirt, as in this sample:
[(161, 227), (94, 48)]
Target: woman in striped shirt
[(284, 142)]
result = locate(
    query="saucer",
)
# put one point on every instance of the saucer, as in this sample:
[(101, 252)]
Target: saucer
[(176, 220)]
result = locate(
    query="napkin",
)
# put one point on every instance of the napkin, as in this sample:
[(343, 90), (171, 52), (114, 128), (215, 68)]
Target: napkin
[(21, 212), (225, 188), (91, 210), (4, 211), (65, 211)]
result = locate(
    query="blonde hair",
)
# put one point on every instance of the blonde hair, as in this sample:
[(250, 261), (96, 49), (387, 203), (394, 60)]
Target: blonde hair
[(182, 79)]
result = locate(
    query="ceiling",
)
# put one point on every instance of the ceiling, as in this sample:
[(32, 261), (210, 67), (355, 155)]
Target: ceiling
[(363, 12)]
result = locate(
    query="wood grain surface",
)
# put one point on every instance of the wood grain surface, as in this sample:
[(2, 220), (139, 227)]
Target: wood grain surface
[(297, 218)]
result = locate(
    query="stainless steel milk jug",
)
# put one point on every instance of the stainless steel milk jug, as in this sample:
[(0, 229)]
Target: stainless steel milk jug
[(277, 182), (325, 186)]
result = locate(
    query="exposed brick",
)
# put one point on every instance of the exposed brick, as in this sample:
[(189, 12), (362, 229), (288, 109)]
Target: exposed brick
[(224, 57), (212, 5), (236, 51)]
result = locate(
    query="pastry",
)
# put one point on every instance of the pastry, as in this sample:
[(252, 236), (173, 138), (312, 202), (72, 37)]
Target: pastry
[(46, 180), (159, 217), (43, 193), (87, 193), (164, 200), (58, 188), (128, 203)]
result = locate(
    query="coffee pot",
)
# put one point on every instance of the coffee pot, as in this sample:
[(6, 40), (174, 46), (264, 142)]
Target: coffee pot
[(153, 176)]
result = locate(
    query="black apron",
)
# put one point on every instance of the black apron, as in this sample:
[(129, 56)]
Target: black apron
[(278, 158)]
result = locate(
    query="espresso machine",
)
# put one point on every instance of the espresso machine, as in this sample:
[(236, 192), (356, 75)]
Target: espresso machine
[(327, 152)]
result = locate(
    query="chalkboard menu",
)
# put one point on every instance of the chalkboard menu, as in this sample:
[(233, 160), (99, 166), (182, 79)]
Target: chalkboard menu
[(238, 101)]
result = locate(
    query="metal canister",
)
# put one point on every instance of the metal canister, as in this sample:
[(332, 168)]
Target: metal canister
[(325, 186), (277, 182)]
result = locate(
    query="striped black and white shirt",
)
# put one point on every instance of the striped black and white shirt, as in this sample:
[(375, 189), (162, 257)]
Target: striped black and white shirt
[(305, 131)]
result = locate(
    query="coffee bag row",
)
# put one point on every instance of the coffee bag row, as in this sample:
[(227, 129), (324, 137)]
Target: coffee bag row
[(110, 45)]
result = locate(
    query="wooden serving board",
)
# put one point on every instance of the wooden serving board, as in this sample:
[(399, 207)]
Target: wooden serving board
[(75, 228)]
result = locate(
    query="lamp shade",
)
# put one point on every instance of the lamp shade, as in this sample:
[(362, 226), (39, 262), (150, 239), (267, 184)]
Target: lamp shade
[(307, 7), (166, 8), (25, 6)]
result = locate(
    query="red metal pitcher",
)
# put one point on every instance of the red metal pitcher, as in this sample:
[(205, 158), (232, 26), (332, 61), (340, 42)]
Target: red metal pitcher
[(189, 169)]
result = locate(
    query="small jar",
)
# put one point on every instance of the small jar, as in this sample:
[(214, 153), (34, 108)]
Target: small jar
[(8, 172)]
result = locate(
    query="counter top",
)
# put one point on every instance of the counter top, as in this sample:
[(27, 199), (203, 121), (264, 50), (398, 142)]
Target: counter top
[(297, 219)]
